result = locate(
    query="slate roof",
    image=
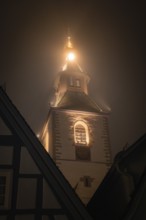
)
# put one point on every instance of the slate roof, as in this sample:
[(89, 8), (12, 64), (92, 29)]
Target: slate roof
[(78, 101), (122, 194), (47, 166), (73, 67)]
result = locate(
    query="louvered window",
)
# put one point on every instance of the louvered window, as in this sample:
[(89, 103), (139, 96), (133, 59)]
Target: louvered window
[(81, 135)]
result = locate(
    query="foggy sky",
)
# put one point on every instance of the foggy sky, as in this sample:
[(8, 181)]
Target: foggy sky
[(110, 40)]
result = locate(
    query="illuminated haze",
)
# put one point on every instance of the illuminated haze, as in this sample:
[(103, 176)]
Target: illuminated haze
[(110, 43)]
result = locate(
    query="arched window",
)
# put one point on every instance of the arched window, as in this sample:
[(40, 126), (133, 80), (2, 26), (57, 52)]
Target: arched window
[(81, 134)]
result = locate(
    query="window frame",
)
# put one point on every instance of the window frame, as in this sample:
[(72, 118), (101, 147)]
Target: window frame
[(81, 133), (74, 82), (78, 83), (7, 174)]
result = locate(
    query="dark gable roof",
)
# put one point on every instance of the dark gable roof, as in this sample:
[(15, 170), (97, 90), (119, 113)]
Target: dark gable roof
[(79, 101), (47, 166), (122, 194)]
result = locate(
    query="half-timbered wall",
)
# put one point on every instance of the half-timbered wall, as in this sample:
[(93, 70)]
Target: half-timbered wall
[(24, 192)]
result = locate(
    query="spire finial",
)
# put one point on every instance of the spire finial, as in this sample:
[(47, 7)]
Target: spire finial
[(69, 43)]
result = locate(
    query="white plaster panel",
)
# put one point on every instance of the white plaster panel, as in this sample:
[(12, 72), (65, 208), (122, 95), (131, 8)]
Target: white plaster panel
[(49, 199), (60, 217), (3, 217), (45, 217), (27, 164), (26, 193), (6, 155), (4, 130), (24, 217)]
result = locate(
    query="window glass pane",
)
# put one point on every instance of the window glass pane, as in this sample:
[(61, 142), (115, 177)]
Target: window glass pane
[(5, 188), (24, 217), (80, 132), (6, 155), (3, 217), (2, 190)]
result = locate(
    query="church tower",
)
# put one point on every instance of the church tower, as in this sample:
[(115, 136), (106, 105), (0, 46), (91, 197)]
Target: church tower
[(76, 132)]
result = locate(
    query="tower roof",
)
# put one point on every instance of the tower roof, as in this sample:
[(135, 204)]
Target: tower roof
[(79, 101), (71, 86)]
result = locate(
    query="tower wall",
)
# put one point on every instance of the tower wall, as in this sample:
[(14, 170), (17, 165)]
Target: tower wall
[(84, 167)]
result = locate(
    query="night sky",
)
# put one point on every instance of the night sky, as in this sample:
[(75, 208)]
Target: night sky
[(110, 39)]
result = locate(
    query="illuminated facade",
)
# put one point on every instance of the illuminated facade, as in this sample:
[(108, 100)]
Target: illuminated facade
[(76, 132)]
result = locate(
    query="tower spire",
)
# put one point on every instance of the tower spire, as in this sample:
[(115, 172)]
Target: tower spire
[(69, 50), (69, 43)]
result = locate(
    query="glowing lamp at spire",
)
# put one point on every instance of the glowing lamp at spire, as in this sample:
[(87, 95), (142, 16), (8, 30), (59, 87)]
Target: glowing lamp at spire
[(70, 52), (70, 56)]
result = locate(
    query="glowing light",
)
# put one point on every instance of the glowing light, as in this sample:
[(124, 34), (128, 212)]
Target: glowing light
[(70, 56), (81, 133), (64, 67), (38, 135), (69, 43), (47, 142)]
